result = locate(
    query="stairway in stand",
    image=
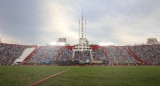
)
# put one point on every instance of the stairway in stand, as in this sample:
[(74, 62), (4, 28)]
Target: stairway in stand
[(135, 57)]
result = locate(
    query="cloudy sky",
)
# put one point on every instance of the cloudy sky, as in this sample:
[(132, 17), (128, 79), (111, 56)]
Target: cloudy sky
[(43, 21)]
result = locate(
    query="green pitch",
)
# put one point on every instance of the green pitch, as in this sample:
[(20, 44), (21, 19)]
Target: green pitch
[(81, 76)]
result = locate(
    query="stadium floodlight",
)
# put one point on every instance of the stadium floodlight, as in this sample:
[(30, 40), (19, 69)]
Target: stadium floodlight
[(61, 44), (57, 43), (105, 44), (53, 43)]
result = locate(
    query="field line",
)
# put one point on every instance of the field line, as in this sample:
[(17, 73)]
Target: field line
[(38, 82)]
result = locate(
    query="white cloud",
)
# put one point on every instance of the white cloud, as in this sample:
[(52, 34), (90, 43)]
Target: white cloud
[(126, 28), (59, 22)]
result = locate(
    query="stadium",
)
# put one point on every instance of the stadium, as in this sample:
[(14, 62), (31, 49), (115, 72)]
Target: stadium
[(81, 54), (81, 64)]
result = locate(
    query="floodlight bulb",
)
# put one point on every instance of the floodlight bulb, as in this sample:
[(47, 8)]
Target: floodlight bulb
[(53, 43)]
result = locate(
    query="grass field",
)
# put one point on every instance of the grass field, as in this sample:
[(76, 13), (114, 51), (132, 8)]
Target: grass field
[(81, 76)]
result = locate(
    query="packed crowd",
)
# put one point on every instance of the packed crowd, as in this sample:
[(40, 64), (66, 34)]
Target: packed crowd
[(149, 54), (127, 57), (66, 55), (9, 53), (45, 53), (82, 56), (113, 55), (98, 55)]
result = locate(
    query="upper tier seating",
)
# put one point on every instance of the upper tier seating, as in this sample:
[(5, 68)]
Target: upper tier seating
[(83, 56), (9, 53), (45, 53), (149, 54)]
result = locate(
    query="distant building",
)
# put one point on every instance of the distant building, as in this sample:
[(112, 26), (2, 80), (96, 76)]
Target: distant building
[(62, 41), (151, 41)]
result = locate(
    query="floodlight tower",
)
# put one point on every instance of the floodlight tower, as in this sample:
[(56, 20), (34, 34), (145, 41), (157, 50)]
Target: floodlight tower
[(85, 28), (82, 26), (83, 42)]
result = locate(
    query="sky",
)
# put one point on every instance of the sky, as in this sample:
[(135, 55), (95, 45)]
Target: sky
[(39, 22)]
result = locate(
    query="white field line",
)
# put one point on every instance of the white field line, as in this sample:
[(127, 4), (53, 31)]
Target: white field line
[(38, 82)]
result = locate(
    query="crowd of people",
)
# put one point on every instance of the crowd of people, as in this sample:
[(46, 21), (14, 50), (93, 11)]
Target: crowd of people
[(147, 53), (98, 55), (113, 55), (128, 58), (45, 53), (66, 55), (82, 56), (9, 53)]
